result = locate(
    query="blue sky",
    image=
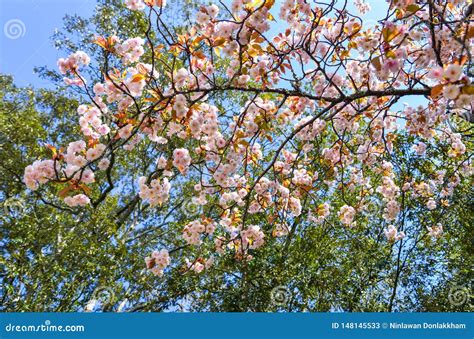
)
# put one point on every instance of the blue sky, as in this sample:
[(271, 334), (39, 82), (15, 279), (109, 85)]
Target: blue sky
[(27, 27)]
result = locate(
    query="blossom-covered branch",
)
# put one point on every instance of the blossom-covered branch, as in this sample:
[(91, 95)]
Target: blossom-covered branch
[(274, 113)]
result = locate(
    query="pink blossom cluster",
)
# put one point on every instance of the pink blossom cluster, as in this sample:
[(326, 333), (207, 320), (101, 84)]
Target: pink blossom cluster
[(138, 5), (362, 6), (252, 237), (310, 132), (130, 83), (77, 200), (346, 215), (199, 265), (156, 193), (206, 14), (235, 196), (75, 153), (90, 120), (40, 172), (130, 50), (71, 65), (452, 81), (390, 191), (265, 191), (280, 230), (322, 212), (181, 159), (70, 165), (203, 124), (95, 152), (158, 261), (420, 148), (393, 234), (436, 231), (301, 177), (192, 231), (73, 62), (181, 77), (180, 106)]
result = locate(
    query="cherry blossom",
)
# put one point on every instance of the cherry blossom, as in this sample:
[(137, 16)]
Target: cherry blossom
[(157, 192), (158, 261), (347, 214), (393, 234), (308, 122), (436, 231)]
